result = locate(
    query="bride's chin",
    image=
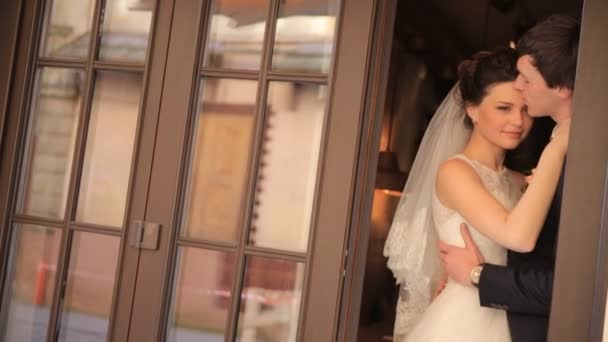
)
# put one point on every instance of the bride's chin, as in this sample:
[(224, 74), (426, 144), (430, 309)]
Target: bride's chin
[(510, 145)]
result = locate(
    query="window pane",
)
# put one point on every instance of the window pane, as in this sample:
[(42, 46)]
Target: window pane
[(220, 159), (236, 34), (270, 305), (304, 36), (109, 148), (287, 171), (89, 287), (68, 29), (50, 142), (201, 296), (125, 30), (34, 253)]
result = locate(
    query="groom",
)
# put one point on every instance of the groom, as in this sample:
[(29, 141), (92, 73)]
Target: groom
[(547, 67)]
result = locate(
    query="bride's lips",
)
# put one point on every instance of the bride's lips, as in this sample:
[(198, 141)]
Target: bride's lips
[(514, 135)]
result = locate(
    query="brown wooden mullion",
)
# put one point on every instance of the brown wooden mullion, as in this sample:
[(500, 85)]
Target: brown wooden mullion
[(239, 278), (249, 250), (271, 75), (60, 63), (123, 233), (78, 157), (327, 79), (228, 73), (174, 240), (268, 253), (92, 228), (40, 221), (118, 66), (296, 77), (210, 245)]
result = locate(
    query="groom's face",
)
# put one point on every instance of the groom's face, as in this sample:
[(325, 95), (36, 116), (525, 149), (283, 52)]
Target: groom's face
[(541, 99)]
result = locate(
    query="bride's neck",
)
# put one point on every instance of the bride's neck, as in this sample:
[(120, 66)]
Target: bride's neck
[(483, 151)]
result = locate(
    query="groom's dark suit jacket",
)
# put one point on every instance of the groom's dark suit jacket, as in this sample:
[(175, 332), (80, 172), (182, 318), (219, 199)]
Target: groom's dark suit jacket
[(524, 286)]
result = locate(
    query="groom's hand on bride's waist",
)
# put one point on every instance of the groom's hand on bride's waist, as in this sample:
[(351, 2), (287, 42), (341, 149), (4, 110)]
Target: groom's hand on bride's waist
[(458, 262)]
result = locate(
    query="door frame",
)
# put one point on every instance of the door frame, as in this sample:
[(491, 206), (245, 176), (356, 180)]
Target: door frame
[(582, 257), (12, 101), (360, 224), (582, 254), (10, 18)]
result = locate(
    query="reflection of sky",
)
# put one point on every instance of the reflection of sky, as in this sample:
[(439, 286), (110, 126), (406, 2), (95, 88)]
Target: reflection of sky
[(306, 27), (299, 28), (303, 43)]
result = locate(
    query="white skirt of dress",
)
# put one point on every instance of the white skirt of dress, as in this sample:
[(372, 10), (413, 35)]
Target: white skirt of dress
[(455, 315)]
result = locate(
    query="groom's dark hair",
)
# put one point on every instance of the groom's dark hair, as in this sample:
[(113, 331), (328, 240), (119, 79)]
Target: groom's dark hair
[(553, 46)]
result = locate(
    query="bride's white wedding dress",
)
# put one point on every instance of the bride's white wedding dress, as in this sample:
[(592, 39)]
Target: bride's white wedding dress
[(455, 315)]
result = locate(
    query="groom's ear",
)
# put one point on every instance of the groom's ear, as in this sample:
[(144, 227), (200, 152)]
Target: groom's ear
[(564, 92)]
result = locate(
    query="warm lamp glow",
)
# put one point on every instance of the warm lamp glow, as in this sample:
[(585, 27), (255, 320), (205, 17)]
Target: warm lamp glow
[(392, 193)]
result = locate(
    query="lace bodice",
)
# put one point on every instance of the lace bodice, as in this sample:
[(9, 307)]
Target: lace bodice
[(503, 187)]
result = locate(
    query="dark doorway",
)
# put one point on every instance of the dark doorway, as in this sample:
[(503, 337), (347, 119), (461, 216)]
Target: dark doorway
[(425, 55)]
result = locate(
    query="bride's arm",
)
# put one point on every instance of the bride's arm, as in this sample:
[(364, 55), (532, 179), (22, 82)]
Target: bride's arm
[(461, 189)]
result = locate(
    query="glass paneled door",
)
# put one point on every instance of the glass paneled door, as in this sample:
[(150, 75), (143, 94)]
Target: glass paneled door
[(232, 126), (71, 177), (257, 144)]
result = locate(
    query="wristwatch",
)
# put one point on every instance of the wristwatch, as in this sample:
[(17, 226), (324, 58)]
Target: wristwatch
[(475, 274)]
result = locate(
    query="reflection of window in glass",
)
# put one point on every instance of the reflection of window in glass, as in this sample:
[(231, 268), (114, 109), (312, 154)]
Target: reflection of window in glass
[(220, 159), (236, 34), (304, 36), (270, 300), (89, 287), (125, 29), (287, 170), (34, 252), (201, 296), (50, 144), (109, 148), (68, 29)]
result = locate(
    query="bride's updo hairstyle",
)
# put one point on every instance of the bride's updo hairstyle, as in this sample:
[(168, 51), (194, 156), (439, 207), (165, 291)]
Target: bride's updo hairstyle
[(485, 69)]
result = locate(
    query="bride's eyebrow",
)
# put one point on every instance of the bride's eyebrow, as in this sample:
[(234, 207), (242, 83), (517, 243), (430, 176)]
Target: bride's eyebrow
[(504, 103)]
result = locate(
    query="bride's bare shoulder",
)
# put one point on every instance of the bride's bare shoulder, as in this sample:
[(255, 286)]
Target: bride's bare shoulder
[(453, 168), (455, 177), (455, 172)]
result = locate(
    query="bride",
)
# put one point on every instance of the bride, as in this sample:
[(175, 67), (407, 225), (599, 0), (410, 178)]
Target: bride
[(458, 176)]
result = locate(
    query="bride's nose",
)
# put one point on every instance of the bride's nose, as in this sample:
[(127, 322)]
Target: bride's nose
[(517, 119)]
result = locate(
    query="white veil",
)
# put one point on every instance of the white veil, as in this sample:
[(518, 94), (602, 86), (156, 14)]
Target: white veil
[(411, 246)]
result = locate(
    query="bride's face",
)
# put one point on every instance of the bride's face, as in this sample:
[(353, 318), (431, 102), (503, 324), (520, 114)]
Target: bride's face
[(502, 116)]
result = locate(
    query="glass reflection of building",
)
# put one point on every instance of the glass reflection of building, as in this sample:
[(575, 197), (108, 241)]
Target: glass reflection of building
[(295, 116)]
